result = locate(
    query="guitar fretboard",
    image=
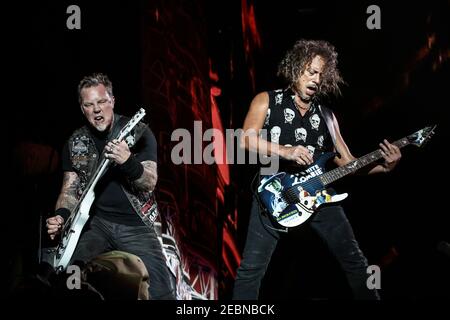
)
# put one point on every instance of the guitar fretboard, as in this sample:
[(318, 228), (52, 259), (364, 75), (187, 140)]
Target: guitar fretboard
[(357, 164)]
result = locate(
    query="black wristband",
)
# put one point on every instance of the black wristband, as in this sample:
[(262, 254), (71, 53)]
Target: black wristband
[(132, 168), (63, 212)]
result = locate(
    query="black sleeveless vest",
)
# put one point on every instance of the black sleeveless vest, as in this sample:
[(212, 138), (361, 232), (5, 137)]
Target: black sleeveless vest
[(286, 126), (85, 159)]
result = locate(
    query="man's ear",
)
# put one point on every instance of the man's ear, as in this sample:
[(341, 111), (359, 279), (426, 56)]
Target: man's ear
[(113, 101)]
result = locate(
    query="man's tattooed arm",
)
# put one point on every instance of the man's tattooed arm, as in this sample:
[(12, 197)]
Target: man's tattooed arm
[(147, 181), (68, 195)]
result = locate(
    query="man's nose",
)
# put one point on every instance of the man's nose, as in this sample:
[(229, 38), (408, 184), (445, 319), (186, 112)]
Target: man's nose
[(97, 108), (316, 78)]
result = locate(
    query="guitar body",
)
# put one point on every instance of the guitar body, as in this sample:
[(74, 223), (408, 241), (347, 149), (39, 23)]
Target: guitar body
[(70, 236), (291, 199)]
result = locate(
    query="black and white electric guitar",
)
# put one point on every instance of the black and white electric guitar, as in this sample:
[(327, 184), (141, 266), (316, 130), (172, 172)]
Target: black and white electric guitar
[(72, 228), (291, 199)]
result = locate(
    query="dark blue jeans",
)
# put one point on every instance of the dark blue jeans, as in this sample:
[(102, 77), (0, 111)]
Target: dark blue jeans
[(100, 236), (331, 225)]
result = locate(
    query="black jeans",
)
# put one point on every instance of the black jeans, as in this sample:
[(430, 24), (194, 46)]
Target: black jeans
[(331, 225), (100, 236)]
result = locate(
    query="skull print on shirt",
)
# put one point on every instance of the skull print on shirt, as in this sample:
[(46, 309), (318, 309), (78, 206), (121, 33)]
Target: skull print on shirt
[(315, 121), (289, 115), (286, 126)]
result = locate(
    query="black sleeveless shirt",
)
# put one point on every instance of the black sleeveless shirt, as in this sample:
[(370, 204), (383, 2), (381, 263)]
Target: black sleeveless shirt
[(286, 126)]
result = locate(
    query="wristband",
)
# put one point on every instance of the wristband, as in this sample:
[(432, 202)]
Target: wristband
[(63, 212), (132, 168)]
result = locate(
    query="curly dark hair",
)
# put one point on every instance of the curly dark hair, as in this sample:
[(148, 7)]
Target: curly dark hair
[(94, 80), (301, 55)]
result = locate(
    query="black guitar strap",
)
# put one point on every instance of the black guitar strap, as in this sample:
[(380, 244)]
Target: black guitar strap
[(328, 117)]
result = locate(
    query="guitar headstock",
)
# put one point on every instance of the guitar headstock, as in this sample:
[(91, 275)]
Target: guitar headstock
[(132, 123), (420, 137), (137, 117)]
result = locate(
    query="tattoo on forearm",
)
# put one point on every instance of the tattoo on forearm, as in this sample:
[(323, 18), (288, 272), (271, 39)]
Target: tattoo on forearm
[(68, 196), (147, 181)]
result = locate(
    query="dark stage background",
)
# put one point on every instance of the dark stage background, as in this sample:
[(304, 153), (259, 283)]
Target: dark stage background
[(204, 61)]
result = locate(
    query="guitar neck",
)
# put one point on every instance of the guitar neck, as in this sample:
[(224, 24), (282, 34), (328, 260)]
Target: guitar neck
[(99, 172), (357, 164), (101, 169)]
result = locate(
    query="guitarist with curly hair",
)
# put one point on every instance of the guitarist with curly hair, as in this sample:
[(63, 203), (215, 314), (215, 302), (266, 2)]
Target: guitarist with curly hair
[(301, 130)]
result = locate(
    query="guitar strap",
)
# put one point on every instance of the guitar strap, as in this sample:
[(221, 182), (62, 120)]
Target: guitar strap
[(150, 209), (328, 117)]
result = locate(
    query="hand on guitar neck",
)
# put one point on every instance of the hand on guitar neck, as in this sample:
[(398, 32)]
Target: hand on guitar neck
[(391, 154), (116, 151)]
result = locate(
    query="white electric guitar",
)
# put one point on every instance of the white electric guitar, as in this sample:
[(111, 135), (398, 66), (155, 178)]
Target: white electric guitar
[(71, 230)]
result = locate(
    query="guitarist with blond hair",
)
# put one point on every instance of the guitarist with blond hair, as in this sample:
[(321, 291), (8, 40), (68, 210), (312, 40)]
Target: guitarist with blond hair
[(122, 194)]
